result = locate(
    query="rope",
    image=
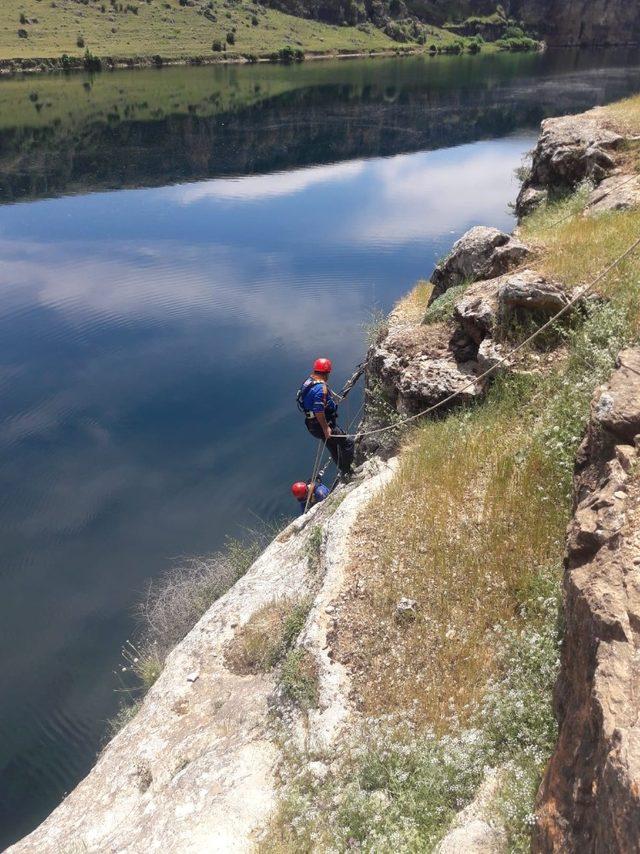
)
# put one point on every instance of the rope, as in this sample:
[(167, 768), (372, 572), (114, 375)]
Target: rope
[(515, 350), (573, 213), (319, 452)]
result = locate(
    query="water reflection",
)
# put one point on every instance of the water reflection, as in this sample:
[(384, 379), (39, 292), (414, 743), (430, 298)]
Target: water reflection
[(153, 127)]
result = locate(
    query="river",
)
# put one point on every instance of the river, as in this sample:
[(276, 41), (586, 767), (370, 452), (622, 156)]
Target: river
[(176, 246)]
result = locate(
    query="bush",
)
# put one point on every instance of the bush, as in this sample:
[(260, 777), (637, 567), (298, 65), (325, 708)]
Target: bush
[(441, 309), (231, 38), (518, 44), (80, 41), (266, 637), (299, 678), (23, 18), (23, 34), (176, 601), (254, 21), (92, 62), (287, 55), (217, 46)]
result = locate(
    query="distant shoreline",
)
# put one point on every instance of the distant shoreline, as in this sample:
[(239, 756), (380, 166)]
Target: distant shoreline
[(44, 65)]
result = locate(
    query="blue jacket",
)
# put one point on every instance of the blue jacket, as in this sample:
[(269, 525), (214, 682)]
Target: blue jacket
[(320, 492), (315, 396)]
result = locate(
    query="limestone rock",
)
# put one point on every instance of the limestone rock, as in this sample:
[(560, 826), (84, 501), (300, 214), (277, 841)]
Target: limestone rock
[(617, 193), (570, 149), (475, 830), (529, 199), (406, 610), (481, 253), (618, 407), (590, 797), (195, 769), (477, 310), (532, 292), (426, 382)]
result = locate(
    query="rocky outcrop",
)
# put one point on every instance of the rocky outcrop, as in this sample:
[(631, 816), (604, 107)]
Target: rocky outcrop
[(481, 253), (564, 23), (570, 149), (415, 366), (195, 770), (617, 193), (476, 829), (590, 797)]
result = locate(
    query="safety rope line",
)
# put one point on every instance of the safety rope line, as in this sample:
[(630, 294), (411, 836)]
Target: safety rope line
[(503, 359), (319, 452), (567, 216)]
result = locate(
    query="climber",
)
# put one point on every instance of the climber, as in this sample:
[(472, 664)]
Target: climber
[(300, 491), (320, 408)]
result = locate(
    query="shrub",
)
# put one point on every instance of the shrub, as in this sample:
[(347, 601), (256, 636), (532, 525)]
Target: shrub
[(176, 601), (23, 18), (217, 46), (80, 41), (92, 62), (254, 21), (23, 34), (231, 38), (287, 55), (266, 637), (441, 309), (299, 678), (123, 716)]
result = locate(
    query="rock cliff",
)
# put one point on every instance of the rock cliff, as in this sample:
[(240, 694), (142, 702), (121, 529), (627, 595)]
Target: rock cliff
[(576, 22), (590, 798)]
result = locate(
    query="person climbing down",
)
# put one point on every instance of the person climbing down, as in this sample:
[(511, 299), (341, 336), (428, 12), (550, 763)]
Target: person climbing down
[(300, 491), (320, 408)]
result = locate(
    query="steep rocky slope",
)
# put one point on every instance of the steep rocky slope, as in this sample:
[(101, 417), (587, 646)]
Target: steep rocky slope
[(576, 22), (194, 771), (590, 799)]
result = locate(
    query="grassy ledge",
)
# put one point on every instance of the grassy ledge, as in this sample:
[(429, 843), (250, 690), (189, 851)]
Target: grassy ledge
[(473, 529)]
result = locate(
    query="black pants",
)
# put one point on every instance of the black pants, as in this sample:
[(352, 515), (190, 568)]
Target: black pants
[(340, 448)]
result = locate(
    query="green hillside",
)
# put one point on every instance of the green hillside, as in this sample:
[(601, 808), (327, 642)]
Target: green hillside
[(182, 29)]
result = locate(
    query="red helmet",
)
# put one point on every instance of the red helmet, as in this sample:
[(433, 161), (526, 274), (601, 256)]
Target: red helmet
[(322, 366), (299, 490)]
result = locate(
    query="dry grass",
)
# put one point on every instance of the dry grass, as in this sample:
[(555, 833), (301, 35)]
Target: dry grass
[(411, 308), (463, 527), (624, 115), (266, 637)]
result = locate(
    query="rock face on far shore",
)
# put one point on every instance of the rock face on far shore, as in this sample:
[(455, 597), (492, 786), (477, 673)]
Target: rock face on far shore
[(590, 797)]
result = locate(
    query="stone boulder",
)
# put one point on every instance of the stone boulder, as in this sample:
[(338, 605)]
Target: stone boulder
[(570, 149), (476, 312), (486, 305), (415, 367), (531, 292), (481, 253), (617, 193), (589, 800)]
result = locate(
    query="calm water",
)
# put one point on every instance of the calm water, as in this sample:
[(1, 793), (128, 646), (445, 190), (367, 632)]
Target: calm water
[(175, 247)]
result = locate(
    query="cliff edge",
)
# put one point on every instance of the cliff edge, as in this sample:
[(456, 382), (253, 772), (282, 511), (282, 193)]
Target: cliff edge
[(590, 797)]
